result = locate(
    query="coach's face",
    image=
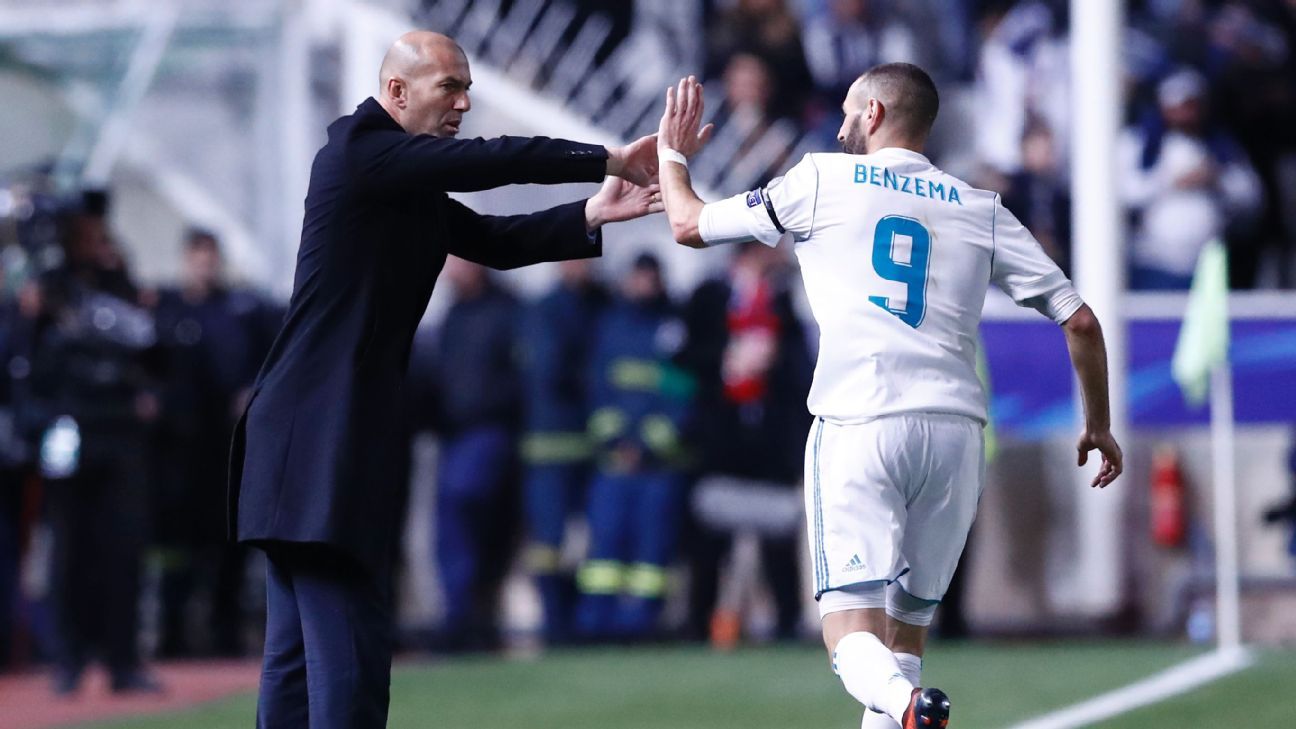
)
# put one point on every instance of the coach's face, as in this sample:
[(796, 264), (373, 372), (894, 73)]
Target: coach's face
[(437, 97)]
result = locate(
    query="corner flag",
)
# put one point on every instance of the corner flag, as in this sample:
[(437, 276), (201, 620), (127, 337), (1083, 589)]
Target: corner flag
[(1204, 337)]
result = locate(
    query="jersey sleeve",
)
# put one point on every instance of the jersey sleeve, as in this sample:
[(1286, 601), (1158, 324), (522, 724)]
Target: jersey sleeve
[(1022, 269), (785, 205)]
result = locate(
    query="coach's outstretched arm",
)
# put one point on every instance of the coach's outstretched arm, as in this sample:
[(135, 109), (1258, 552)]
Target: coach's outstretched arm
[(1088, 350), (424, 90), (679, 138)]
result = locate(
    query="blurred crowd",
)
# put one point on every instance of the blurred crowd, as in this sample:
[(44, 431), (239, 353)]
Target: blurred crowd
[(118, 402), (598, 436), (1208, 149), (650, 425)]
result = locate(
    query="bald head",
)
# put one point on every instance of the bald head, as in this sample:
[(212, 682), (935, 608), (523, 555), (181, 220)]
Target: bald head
[(417, 52), (424, 81), (906, 94)]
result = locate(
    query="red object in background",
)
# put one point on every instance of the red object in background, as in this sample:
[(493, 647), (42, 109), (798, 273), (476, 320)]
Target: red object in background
[(1169, 512), (753, 332)]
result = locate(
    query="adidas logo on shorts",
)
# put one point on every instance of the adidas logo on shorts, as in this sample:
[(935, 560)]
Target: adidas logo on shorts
[(854, 565)]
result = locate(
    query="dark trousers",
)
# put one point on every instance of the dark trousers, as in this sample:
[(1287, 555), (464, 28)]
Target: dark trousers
[(98, 520), (634, 524), (474, 523), (328, 644), (552, 492)]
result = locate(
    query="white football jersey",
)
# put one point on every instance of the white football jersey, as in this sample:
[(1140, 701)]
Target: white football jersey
[(896, 256)]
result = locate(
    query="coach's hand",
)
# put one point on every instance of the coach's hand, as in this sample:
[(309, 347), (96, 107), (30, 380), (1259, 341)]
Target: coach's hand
[(1112, 459), (620, 200), (635, 162), (680, 121)]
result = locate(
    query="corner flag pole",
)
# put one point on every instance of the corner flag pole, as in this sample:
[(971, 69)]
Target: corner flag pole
[(1228, 620), (1201, 365)]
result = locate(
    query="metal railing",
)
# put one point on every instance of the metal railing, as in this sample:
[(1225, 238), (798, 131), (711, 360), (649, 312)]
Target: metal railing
[(552, 48)]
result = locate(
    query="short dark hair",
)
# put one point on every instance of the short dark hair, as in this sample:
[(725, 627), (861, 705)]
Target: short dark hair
[(646, 261), (907, 93), (198, 238)]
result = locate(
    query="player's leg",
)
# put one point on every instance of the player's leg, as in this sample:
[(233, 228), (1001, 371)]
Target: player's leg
[(855, 508), (941, 507), (940, 515), (854, 628), (907, 620)]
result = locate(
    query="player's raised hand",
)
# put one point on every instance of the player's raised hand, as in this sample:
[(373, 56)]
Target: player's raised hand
[(635, 162), (620, 200), (682, 117), (1112, 459)]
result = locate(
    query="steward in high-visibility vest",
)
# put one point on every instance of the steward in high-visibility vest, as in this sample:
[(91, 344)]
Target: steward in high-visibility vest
[(640, 402)]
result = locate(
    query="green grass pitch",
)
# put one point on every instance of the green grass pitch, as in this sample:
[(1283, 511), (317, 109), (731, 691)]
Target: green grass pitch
[(991, 685)]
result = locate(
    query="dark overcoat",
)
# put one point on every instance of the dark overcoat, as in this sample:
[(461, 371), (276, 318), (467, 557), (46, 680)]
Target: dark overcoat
[(315, 457)]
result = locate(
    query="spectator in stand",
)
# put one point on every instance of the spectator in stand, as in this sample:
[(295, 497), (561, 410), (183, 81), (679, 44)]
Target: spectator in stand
[(1022, 74), (749, 89), (748, 352), (640, 402), (770, 31), (214, 338), (743, 120), (90, 404), (477, 393), (852, 37), (556, 449), (1039, 195), (1186, 180), (1252, 66)]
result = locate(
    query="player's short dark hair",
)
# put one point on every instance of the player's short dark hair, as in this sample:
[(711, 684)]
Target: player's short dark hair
[(908, 94)]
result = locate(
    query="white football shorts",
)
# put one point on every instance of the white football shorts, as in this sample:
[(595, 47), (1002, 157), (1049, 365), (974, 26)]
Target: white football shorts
[(892, 499)]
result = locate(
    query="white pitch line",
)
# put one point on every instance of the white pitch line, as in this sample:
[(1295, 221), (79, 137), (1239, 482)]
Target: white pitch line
[(1170, 682)]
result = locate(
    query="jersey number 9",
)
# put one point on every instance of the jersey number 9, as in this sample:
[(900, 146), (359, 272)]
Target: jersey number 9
[(910, 270)]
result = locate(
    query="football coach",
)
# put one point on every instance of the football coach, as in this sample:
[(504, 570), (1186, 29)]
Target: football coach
[(313, 477)]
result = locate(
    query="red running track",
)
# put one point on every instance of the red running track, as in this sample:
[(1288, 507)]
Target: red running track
[(27, 701)]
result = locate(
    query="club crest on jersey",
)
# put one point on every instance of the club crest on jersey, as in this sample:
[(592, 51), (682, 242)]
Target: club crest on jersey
[(754, 199)]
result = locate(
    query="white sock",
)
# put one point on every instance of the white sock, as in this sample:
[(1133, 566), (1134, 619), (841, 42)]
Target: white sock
[(871, 674), (874, 720), (911, 667)]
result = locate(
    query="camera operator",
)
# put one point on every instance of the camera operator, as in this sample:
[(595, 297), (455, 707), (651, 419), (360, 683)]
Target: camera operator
[(88, 406)]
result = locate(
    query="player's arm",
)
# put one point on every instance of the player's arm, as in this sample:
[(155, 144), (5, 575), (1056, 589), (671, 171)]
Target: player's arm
[(678, 138), (1088, 350), (1022, 269), (785, 205), (683, 206)]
